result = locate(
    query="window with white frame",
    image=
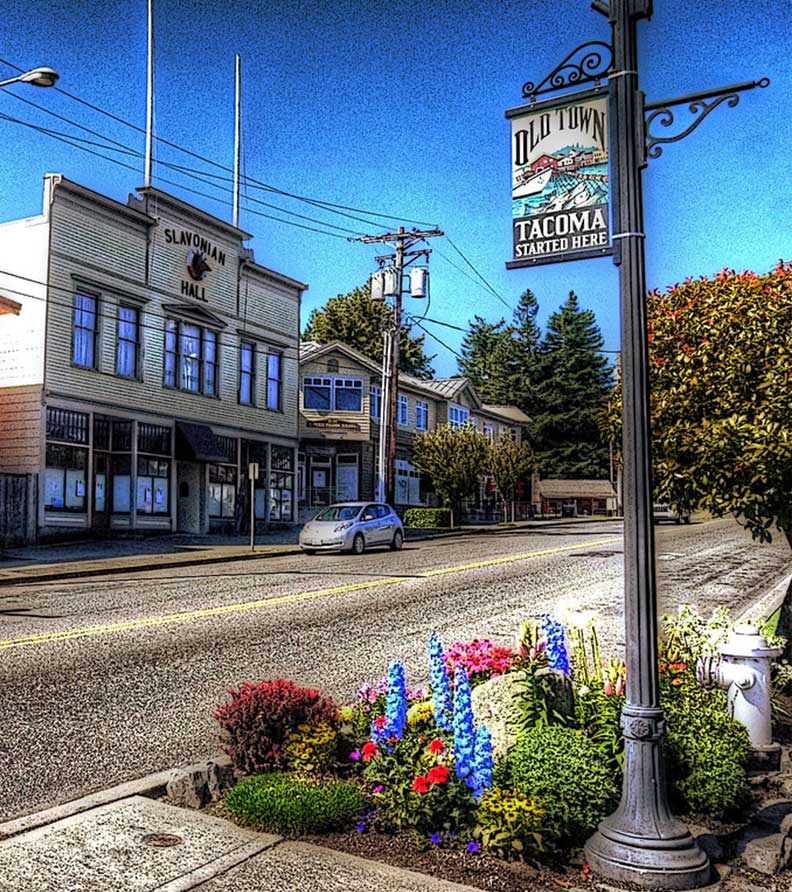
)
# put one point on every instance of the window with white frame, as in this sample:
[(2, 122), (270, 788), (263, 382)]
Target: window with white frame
[(85, 328), (127, 341), (421, 415), (327, 394), (247, 373), (403, 411), (458, 415), (375, 402), (489, 431), (190, 358)]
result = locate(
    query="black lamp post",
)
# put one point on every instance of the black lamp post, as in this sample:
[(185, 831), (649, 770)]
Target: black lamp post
[(641, 842)]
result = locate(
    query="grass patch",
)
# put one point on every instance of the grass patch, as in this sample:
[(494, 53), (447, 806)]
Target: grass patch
[(292, 805)]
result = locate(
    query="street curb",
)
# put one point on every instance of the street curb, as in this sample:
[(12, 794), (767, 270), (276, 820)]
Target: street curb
[(151, 786), (222, 865), (767, 604)]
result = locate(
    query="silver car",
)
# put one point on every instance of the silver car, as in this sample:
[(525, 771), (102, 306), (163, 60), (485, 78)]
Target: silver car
[(352, 526)]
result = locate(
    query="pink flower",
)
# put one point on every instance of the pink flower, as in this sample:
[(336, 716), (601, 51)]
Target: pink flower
[(354, 755), (608, 689)]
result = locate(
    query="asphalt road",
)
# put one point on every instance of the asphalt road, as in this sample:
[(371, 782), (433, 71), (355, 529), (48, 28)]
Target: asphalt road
[(110, 678)]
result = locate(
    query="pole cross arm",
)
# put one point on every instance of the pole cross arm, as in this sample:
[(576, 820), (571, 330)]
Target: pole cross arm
[(591, 66), (699, 104)]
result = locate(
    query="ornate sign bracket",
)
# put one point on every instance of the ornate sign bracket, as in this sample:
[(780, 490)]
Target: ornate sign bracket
[(591, 66), (698, 105)]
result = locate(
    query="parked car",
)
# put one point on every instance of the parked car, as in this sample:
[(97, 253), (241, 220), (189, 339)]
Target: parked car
[(666, 512), (352, 526)]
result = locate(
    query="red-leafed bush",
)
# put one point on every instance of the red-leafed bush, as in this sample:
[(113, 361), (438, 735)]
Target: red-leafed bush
[(258, 719)]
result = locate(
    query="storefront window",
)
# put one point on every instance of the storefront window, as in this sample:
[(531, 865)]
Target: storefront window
[(152, 495), (222, 491), (281, 483), (121, 470), (64, 478)]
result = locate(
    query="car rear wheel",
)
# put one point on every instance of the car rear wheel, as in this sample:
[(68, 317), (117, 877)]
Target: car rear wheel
[(398, 540), (358, 544)]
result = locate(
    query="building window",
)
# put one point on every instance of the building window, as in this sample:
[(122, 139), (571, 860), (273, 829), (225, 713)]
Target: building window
[(403, 411), (489, 431), (190, 358), (281, 482), (222, 491), (247, 373), (421, 415), (154, 438), (328, 394), (67, 426), (458, 415), (127, 342), (153, 485), (375, 402), (274, 361), (84, 346), (64, 478), (121, 471)]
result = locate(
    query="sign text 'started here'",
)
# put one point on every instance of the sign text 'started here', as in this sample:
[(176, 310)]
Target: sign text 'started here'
[(560, 188)]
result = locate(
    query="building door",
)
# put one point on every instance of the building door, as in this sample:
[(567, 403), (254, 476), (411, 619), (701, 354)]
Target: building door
[(346, 478), (101, 491)]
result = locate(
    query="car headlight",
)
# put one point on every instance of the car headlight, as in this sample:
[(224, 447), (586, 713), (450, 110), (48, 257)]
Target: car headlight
[(344, 526)]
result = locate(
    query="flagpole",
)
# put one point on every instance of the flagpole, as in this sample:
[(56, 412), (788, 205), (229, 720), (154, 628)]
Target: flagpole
[(149, 94), (237, 136)]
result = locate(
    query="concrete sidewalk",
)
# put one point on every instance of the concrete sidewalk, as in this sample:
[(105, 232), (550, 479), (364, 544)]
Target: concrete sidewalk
[(142, 845), (49, 563)]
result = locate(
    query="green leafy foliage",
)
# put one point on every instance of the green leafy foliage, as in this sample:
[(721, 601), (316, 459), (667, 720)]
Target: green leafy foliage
[(292, 805), (564, 770), (427, 518), (509, 823), (312, 748), (407, 799), (359, 321), (721, 391), (453, 457), (509, 462)]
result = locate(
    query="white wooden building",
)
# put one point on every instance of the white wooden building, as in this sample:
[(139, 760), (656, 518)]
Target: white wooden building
[(151, 359)]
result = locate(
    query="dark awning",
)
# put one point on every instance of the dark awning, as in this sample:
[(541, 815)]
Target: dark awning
[(197, 442)]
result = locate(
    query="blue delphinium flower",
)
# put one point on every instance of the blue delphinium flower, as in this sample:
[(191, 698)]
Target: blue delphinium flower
[(483, 761), (441, 691), (395, 706), (557, 655), (436, 838), (464, 730)]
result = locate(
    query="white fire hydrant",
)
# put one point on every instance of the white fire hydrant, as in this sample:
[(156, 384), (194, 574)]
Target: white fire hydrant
[(743, 670)]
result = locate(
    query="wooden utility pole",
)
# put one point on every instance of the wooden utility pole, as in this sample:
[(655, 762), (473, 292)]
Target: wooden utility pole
[(402, 257)]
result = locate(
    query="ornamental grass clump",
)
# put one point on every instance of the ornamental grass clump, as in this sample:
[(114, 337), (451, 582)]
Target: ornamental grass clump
[(259, 718), (292, 805)]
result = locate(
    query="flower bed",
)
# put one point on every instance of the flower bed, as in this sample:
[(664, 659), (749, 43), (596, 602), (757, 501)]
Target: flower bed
[(402, 770)]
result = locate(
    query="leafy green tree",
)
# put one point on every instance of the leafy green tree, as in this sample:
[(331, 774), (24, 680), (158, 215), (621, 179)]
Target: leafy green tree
[(574, 380), (359, 321), (453, 457), (509, 462), (721, 397)]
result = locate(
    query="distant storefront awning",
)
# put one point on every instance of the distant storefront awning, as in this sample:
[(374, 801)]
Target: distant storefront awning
[(198, 442)]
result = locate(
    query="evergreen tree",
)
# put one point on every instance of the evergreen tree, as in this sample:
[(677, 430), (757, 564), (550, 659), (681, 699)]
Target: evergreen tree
[(523, 374), (359, 321), (574, 383), (481, 352)]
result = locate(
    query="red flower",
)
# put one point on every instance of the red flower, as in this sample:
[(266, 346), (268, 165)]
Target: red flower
[(393, 740), (369, 751), (438, 774), (380, 721), (421, 784), (436, 746)]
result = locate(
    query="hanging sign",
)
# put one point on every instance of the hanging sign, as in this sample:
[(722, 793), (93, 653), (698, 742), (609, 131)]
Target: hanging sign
[(560, 188)]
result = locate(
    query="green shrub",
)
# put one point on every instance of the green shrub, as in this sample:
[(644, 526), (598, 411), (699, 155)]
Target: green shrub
[(290, 804), (564, 769), (509, 822), (706, 750), (427, 518)]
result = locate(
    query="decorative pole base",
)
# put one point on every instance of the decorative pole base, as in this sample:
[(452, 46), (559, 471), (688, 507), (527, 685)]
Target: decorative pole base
[(619, 855)]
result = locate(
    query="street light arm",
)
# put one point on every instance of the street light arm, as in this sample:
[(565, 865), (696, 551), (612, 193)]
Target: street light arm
[(38, 77)]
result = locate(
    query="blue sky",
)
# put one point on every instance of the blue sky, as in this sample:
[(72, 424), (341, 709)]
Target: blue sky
[(400, 110)]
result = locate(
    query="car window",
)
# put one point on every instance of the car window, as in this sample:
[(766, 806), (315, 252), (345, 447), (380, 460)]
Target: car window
[(383, 510), (339, 512), (370, 513)]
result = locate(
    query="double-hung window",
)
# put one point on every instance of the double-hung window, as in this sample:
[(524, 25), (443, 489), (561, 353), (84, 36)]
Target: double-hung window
[(375, 402), (274, 365), (247, 373), (84, 341), (421, 415), (458, 415), (127, 341), (489, 431), (190, 358), (403, 411)]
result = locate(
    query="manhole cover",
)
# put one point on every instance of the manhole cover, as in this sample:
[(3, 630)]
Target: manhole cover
[(162, 840)]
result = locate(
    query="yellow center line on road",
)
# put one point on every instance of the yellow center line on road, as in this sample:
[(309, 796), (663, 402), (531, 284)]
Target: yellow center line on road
[(185, 616)]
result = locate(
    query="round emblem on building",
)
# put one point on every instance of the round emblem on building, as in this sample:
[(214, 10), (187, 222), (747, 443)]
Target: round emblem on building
[(197, 266)]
